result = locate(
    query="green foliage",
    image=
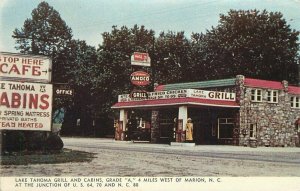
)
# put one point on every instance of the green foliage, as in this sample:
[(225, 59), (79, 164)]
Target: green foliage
[(35, 140), (253, 43), (172, 63), (54, 143), (46, 34), (114, 62), (13, 141)]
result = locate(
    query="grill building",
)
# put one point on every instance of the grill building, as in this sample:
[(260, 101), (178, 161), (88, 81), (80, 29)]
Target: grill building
[(237, 111)]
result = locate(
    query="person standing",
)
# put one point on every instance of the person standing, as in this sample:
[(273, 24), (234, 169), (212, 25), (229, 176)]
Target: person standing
[(189, 130)]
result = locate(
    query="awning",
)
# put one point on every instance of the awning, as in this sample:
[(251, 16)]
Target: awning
[(175, 102)]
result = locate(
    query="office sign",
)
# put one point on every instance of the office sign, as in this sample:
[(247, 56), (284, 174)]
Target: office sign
[(21, 67), (25, 106), (62, 90)]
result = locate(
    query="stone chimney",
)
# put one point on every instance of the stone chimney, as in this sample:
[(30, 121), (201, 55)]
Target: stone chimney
[(285, 85)]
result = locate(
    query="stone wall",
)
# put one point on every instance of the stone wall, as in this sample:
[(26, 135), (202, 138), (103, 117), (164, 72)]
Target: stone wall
[(275, 122)]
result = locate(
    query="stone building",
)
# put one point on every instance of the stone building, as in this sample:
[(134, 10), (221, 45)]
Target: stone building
[(237, 111)]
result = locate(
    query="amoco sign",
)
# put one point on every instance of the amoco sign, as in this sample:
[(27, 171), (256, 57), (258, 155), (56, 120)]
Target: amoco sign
[(140, 78)]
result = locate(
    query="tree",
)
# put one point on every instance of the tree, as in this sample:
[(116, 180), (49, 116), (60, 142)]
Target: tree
[(45, 34), (114, 66), (256, 44), (172, 64)]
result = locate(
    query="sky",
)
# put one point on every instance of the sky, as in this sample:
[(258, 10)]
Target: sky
[(88, 19)]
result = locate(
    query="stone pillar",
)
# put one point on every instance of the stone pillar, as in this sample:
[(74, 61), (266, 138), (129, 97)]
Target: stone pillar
[(244, 102), (285, 85), (154, 126), (123, 122)]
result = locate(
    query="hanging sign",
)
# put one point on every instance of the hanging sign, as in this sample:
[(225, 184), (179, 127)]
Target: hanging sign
[(63, 90), (140, 59), (140, 78), (21, 67)]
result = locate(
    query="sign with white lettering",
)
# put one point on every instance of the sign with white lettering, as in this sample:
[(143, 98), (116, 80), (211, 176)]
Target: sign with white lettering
[(138, 94), (25, 106), (21, 67), (192, 93), (140, 59), (140, 78), (63, 91)]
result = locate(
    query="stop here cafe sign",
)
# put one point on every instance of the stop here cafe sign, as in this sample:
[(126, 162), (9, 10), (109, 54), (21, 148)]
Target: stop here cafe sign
[(21, 67), (140, 78)]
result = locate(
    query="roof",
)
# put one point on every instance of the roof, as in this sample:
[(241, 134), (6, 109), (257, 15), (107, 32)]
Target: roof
[(175, 101), (263, 83), (294, 89), (197, 85), (250, 82)]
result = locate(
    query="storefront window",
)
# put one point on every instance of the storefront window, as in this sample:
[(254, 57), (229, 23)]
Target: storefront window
[(295, 103), (225, 128), (272, 96), (256, 95)]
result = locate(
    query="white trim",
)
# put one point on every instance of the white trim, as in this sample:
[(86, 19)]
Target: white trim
[(172, 104), (271, 96), (255, 95)]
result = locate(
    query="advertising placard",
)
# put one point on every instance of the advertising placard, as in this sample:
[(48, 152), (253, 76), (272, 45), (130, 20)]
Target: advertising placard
[(171, 94), (25, 106), (140, 59), (140, 78), (21, 67)]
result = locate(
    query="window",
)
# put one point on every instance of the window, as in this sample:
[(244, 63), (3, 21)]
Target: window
[(272, 96), (295, 102), (256, 95), (253, 129), (225, 128)]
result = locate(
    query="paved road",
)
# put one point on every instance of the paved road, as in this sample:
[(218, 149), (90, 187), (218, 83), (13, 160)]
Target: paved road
[(115, 158), (265, 154)]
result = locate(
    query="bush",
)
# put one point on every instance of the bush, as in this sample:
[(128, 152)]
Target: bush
[(14, 141), (54, 143), (36, 141)]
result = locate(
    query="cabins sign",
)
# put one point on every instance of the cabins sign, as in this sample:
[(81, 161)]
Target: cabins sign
[(25, 106), (140, 78)]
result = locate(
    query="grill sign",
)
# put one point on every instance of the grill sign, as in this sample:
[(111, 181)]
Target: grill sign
[(138, 94), (140, 78)]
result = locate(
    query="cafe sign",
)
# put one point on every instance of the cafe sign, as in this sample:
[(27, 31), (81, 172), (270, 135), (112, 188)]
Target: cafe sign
[(140, 78), (21, 67)]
